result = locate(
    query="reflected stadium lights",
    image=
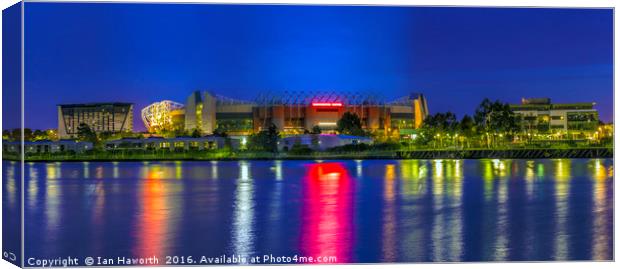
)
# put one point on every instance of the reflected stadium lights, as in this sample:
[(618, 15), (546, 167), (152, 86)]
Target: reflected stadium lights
[(327, 171)]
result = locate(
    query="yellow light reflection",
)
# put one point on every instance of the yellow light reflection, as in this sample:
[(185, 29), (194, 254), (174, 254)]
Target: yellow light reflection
[(437, 232), (52, 202), (413, 174), (33, 186), (389, 216), (600, 229), (11, 187), (438, 178), (562, 176), (530, 175), (178, 170)]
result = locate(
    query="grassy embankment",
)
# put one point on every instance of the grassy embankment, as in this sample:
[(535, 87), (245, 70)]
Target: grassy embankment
[(347, 152)]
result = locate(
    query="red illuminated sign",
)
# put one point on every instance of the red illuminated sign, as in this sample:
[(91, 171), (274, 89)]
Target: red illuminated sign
[(326, 104)]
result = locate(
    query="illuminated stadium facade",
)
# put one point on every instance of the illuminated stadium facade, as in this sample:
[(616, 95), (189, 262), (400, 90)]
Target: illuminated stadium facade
[(298, 112), (164, 115)]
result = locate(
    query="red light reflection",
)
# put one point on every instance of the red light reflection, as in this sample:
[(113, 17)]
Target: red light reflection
[(327, 212)]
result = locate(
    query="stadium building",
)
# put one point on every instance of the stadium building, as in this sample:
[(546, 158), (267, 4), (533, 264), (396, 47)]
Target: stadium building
[(297, 112), (163, 116)]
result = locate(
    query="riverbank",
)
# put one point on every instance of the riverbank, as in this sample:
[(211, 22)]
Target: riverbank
[(600, 152)]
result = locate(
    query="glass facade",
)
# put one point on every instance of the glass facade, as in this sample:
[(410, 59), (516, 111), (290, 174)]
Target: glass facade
[(113, 117)]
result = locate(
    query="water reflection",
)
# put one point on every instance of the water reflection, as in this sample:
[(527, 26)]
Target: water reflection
[(401, 211), (278, 169), (214, 165), (359, 168), (243, 229), (413, 174), (601, 231), (447, 197), (11, 185), (152, 225), (115, 172), (53, 194), (12, 207), (327, 212), (389, 215), (86, 170), (562, 176)]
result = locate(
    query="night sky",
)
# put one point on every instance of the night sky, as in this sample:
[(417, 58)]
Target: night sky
[(143, 53)]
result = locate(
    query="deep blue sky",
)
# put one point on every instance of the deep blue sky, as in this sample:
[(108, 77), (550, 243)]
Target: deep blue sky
[(143, 53)]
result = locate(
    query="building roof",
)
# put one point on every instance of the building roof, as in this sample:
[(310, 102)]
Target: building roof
[(304, 98), (95, 104), (340, 136), (580, 106)]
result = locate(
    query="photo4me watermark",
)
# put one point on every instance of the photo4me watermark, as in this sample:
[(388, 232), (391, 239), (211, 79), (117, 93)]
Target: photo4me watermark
[(177, 260)]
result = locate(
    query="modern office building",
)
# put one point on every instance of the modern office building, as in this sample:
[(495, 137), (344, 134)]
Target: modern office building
[(163, 116), (539, 115), (297, 112), (100, 117)]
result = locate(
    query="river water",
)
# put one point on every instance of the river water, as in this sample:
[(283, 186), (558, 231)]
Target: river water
[(349, 211)]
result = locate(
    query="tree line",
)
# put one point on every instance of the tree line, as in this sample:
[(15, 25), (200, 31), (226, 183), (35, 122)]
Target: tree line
[(492, 124)]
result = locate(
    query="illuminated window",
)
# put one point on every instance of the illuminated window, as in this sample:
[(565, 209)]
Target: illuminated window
[(179, 144)]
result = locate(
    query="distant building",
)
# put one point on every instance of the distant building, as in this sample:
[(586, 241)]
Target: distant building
[(47, 146), (541, 116), (296, 112), (321, 141), (100, 117), (172, 144)]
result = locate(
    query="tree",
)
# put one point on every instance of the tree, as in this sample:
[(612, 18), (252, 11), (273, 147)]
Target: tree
[(16, 134), (52, 134), (220, 132), (496, 119), (266, 140), (39, 135), (439, 126), (467, 129), (106, 135), (196, 133), (86, 134), (315, 129), (350, 124), (28, 136)]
